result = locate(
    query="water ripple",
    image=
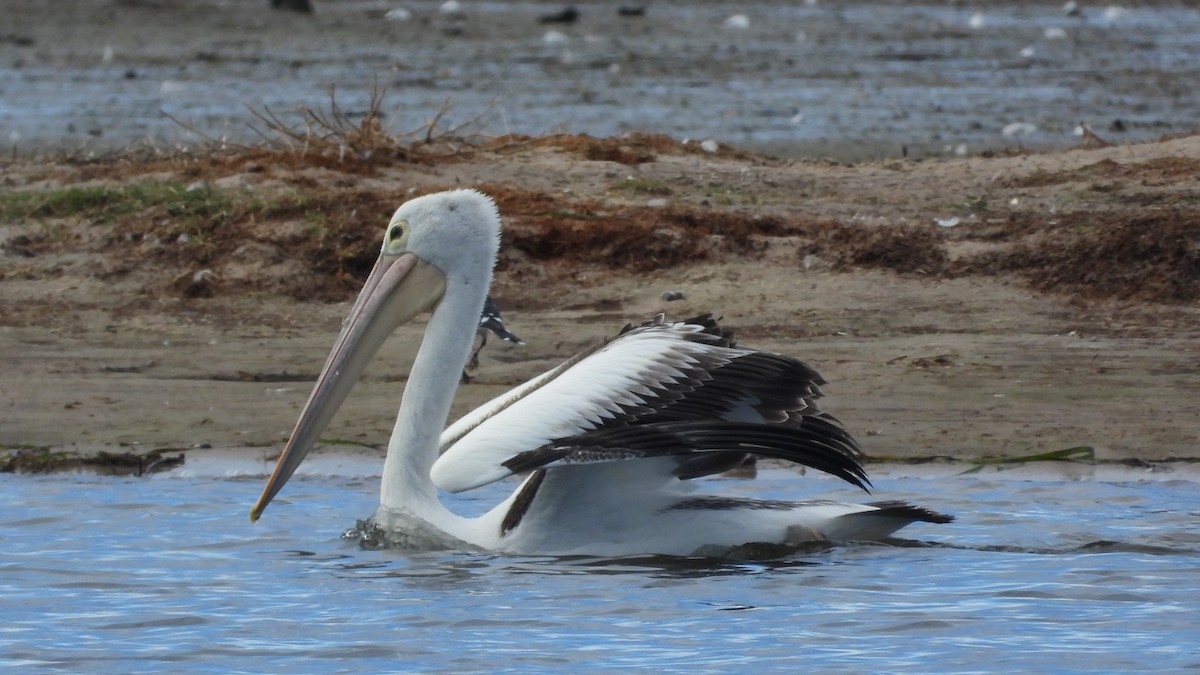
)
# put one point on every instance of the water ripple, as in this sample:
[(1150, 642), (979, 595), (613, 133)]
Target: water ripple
[(1035, 576)]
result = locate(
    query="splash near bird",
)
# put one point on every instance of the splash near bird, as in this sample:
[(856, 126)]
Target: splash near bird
[(609, 442)]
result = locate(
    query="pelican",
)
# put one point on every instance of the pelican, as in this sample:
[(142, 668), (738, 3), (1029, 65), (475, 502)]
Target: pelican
[(608, 441)]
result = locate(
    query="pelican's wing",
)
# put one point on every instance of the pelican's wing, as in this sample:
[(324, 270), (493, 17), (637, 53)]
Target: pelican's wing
[(655, 373), (822, 446)]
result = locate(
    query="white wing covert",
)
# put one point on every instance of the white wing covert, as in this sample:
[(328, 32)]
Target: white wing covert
[(636, 373)]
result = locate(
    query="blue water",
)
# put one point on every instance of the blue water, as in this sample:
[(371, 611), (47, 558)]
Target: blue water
[(1041, 572), (853, 79)]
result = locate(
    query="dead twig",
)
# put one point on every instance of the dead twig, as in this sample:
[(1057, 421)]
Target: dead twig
[(333, 133)]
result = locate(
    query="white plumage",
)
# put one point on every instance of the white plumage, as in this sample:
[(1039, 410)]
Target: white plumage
[(610, 440)]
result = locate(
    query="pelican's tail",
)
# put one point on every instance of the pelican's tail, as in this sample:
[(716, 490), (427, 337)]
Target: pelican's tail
[(880, 521)]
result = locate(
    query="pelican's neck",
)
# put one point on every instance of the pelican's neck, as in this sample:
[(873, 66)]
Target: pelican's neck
[(428, 395)]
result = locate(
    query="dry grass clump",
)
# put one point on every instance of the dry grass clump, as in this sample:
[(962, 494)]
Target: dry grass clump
[(1150, 256), (333, 136), (550, 228), (900, 248)]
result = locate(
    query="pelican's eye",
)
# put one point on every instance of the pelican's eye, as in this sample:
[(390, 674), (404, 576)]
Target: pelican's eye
[(397, 237)]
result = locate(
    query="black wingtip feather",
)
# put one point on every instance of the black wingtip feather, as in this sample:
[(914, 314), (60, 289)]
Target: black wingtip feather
[(824, 447), (912, 512)]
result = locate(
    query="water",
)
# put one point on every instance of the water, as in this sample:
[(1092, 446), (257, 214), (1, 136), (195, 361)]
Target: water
[(1091, 571), (844, 79)]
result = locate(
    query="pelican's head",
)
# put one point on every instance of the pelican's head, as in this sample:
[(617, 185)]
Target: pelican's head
[(457, 232), (432, 243)]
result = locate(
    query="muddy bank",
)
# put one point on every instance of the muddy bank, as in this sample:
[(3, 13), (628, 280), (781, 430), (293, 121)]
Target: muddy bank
[(974, 307)]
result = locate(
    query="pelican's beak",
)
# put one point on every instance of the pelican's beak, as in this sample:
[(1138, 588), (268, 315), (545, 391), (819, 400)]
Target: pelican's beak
[(400, 287)]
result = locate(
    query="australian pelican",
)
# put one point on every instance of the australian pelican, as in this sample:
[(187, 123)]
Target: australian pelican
[(609, 440)]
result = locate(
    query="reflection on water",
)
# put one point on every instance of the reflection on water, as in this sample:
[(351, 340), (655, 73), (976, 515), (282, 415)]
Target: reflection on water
[(1037, 574)]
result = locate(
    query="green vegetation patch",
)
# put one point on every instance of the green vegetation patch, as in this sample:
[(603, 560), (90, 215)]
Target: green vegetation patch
[(94, 202)]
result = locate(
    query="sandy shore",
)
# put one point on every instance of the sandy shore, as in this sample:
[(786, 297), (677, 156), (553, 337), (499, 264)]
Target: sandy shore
[(1059, 310)]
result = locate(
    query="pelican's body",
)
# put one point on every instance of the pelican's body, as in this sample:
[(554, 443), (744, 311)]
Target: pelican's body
[(609, 439)]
